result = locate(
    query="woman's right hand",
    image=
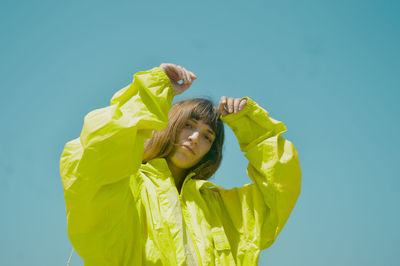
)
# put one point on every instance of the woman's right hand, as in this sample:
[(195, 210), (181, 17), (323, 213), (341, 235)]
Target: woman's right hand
[(177, 73)]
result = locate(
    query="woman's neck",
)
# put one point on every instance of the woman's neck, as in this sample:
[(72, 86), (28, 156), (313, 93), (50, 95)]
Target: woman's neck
[(178, 174)]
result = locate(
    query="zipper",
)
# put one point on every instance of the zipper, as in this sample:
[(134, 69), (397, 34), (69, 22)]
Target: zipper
[(183, 208)]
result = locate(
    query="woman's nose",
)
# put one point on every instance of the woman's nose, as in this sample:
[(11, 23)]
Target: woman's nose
[(194, 137)]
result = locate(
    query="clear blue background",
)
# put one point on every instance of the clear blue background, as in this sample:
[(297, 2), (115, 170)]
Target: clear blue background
[(328, 69)]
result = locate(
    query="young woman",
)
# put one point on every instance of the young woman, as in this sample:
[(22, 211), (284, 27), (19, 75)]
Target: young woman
[(135, 181)]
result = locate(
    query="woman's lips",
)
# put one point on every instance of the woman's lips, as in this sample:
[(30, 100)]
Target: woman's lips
[(188, 148)]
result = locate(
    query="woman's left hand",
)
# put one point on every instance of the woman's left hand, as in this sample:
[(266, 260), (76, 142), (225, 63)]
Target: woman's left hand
[(231, 105)]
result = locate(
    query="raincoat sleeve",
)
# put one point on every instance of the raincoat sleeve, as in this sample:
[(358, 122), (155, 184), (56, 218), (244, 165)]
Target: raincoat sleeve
[(95, 168), (258, 211)]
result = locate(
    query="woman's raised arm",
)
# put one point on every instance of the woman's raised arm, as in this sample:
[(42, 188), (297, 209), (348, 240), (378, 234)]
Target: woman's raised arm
[(95, 168), (258, 211)]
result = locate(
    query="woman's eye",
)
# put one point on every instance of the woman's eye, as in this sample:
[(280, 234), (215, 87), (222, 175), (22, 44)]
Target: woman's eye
[(207, 138), (188, 125)]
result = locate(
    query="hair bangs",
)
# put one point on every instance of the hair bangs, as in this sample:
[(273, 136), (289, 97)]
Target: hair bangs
[(208, 113)]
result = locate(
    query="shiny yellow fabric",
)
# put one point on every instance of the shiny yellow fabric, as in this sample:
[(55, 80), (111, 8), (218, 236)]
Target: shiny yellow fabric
[(122, 212)]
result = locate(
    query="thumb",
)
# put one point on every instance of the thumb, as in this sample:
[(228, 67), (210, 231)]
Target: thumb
[(193, 76)]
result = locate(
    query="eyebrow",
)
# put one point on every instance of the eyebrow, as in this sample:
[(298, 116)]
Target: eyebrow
[(208, 129)]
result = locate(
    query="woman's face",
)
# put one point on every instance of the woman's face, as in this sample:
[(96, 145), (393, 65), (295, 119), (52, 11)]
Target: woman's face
[(194, 141)]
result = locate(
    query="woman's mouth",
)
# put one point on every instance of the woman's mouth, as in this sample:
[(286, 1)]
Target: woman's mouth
[(188, 148)]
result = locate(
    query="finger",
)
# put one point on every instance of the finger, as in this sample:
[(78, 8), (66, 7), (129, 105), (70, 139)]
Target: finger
[(181, 74), (223, 100), (172, 72), (193, 75), (185, 86), (242, 104), (221, 107), (224, 103), (188, 77), (236, 103), (230, 105), (180, 88), (175, 76)]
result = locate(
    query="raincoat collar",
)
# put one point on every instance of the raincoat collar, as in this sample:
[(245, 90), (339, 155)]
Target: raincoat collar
[(157, 166), (160, 166), (158, 170)]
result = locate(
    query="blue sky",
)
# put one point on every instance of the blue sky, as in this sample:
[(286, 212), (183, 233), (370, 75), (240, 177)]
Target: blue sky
[(328, 69)]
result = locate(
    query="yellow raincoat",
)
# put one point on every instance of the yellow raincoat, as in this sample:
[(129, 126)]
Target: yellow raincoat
[(122, 212)]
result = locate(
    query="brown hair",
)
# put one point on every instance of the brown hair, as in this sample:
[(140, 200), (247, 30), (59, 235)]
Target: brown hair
[(162, 142)]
